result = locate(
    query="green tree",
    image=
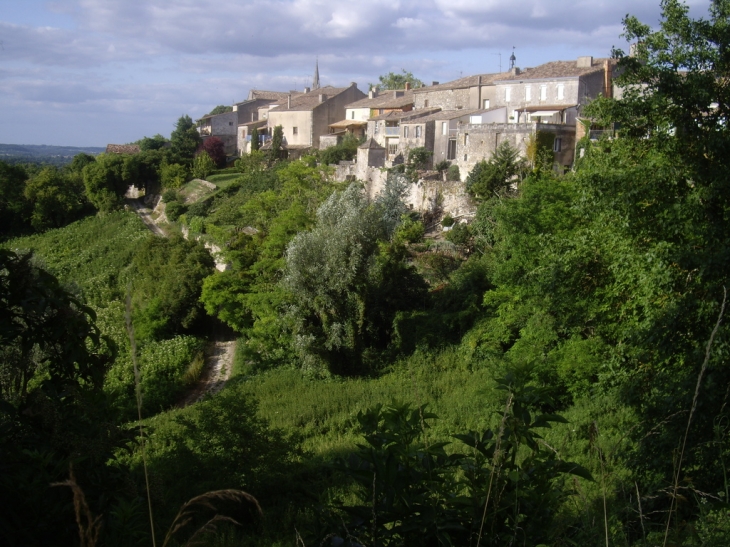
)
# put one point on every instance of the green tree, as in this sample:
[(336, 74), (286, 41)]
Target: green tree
[(255, 144), (168, 277), (346, 286), (80, 161), (203, 165), (56, 198), (277, 140), (173, 175), (495, 176), (393, 80), (105, 182), (14, 208), (184, 141), (156, 142)]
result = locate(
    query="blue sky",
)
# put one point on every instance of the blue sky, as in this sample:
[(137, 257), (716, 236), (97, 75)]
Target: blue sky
[(92, 72)]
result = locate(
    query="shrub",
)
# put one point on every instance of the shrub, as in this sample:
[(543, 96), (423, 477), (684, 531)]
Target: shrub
[(173, 210), (453, 173), (447, 221), (170, 195), (173, 175), (203, 165), (442, 166), (199, 208), (215, 149), (460, 234)]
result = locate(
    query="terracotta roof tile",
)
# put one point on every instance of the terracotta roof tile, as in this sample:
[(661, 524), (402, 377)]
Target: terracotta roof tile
[(122, 149)]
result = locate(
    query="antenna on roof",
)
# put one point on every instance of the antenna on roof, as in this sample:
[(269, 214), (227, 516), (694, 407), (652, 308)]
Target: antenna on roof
[(500, 60), (512, 59)]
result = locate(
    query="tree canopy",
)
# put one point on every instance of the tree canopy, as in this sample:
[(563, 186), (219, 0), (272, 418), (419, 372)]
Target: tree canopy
[(397, 80)]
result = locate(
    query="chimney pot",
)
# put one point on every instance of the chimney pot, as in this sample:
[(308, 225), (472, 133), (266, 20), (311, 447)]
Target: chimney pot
[(307, 90), (288, 101), (585, 61), (408, 86), (434, 83), (322, 97)]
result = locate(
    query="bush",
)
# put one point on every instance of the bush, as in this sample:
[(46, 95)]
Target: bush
[(460, 234), (170, 195), (203, 165), (409, 231), (443, 165), (453, 173), (199, 208), (447, 221), (173, 175), (173, 210)]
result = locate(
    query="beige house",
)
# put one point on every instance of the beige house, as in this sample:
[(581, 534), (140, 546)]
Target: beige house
[(386, 129), (304, 118), (470, 92)]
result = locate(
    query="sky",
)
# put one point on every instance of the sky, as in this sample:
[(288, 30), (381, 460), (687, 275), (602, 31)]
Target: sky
[(93, 72)]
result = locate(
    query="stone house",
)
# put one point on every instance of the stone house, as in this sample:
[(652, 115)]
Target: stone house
[(224, 126), (386, 130), (470, 92), (307, 116), (554, 92)]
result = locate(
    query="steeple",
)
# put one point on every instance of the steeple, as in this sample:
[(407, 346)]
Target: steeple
[(315, 80)]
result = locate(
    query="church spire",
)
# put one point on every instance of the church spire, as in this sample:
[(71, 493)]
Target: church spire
[(315, 80)]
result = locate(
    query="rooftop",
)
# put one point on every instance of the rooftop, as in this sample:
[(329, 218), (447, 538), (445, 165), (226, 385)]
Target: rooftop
[(386, 99), (401, 116), (467, 81), (447, 115), (559, 69), (122, 149), (307, 101)]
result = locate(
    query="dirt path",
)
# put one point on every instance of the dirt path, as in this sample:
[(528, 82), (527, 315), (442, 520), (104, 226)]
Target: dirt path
[(217, 371), (218, 354), (144, 214)]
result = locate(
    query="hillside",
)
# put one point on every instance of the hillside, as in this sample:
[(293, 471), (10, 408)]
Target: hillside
[(45, 154)]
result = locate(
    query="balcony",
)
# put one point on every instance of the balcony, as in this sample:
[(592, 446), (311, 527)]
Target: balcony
[(392, 131)]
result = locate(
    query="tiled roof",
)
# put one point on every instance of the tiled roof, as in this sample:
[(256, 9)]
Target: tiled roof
[(558, 69), (468, 81), (542, 107), (270, 95), (385, 99), (122, 149), (446, 115), (396, 116), (253, 123), (371, 143), (307, 101)]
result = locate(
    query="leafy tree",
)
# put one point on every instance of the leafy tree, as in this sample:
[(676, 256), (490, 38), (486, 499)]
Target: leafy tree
[(215, 148), (105, 181), (14, 208), (56, 199), (80, 161), (393, 80), (276, 142), (173, 175), (156, 142), (255, 143), (203, 165), (488, 178), (184, 141), (346, 287), (168, 275)]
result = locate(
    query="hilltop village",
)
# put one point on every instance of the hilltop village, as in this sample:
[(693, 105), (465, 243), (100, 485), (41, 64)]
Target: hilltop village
[(462, 122)]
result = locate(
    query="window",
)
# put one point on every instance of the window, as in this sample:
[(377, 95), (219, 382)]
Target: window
[(528, 93), (557, 144), (485, 105), (419, 130), (515, 116), (392, 148), (543, 92), (352, 116), (507, 94), (451, 152), (295, 131), (561, 91), (377, 126), (425, 103), (444, 128), (466, 139), (465, 157), (405, 131), (230, 123)]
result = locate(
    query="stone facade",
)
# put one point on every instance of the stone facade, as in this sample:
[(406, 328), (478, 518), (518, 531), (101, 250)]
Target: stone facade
[(446, 99), (477, 142)]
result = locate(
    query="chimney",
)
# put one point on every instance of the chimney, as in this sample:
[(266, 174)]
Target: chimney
[(353, 84), (585, 62), (373, 93), (288, 101), (307, 89), (434, 83), (322, 97), (408, 86)]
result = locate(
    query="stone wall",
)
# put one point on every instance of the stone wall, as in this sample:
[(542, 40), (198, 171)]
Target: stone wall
[(447, 99)]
